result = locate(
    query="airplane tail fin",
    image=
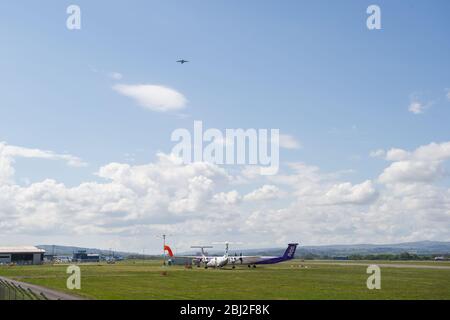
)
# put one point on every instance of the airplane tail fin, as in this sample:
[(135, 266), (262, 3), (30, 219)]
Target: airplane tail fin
[(202, 248), (290, 251)]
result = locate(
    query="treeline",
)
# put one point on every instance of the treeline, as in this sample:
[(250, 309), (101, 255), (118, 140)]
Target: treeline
[(402, 256), (142, 257), (381, 256)]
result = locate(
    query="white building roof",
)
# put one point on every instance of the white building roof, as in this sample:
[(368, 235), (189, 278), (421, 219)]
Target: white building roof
[(29, 249)]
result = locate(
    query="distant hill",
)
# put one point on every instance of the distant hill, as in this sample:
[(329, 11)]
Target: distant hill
[(420, 248)]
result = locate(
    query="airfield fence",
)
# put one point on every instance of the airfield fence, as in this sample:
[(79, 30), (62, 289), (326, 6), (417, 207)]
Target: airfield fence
[(11, 291)]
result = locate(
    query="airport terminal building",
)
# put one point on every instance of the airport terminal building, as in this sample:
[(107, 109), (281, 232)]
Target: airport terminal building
[(21, 255), (83, 256)]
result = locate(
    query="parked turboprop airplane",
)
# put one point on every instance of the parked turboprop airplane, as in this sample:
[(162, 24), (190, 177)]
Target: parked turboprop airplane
[(254, 260), (211, 261), (203, 259), (219, 262)]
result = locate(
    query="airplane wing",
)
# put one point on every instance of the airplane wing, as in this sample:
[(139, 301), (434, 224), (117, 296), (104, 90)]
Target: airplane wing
[(244, 260), (191, 259)]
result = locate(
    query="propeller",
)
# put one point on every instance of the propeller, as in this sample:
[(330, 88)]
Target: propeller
[(231, 259)]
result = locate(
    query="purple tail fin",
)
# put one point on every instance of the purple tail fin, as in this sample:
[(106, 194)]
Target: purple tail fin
[(290, 251)]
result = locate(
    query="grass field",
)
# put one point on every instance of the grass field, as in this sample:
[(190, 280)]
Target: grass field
[(146, 280)]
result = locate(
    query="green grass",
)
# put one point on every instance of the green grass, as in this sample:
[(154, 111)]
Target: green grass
[(139, 280), (416, 263)]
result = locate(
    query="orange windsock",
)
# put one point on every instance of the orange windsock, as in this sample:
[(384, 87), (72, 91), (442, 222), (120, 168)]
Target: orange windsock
[(167, 248)]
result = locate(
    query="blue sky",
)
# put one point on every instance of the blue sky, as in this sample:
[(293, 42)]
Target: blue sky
[(310, 68)]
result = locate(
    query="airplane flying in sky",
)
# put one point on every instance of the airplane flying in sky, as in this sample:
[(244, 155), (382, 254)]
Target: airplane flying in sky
[(182, 61)]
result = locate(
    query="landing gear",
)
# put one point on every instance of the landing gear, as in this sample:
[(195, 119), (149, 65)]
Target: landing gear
[(249, 266), (234, 267), (254, 266)]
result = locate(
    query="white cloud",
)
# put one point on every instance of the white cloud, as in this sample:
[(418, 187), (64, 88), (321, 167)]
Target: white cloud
[(194, 201), (286, 141), (153, 97), (425, 164), (448, 94), (419, 103), (199, 190), (9, 153), (251, 172), (348, 193), (433, 151), (14, 151), (416, 107), (411, 171), (289, 142), (227, 198), (266, 192), (314, 188), (132, 196), (396, 154)]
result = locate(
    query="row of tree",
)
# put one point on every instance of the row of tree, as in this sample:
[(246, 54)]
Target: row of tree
[(384, 256), (401, 256)]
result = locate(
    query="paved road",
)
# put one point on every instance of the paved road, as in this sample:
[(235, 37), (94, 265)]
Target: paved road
[(384, 265), (49, 293)]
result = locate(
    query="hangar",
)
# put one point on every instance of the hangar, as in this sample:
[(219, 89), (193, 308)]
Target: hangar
[(21, 255)]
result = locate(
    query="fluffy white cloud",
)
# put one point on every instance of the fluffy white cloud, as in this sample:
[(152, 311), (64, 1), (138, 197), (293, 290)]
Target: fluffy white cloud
[(397, 154), (199, 190), (433, 152), (266, 192), (411, 171), (347, 193), (153, 97), (312, 187), (194, 201), (227, 198), (131, 197), (425, 164)]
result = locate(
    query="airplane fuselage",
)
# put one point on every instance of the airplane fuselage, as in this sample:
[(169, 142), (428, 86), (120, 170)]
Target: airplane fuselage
[(255, 260), (217, 262)]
